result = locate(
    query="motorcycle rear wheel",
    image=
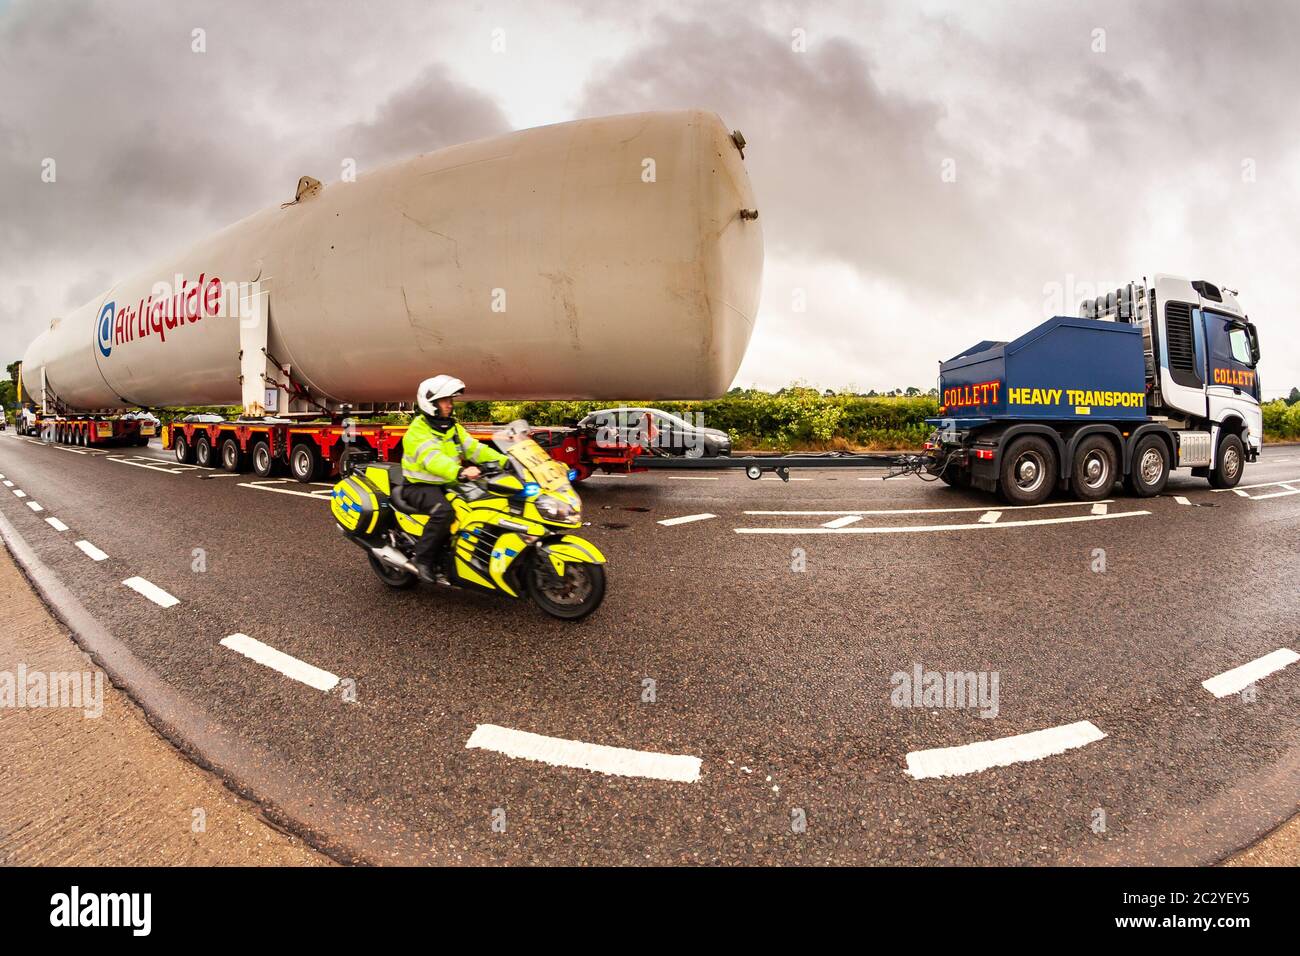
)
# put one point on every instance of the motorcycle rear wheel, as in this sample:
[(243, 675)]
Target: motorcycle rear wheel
[(395, 578), (580, 593)]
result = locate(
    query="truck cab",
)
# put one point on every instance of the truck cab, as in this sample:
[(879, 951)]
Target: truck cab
[(1156, 375)]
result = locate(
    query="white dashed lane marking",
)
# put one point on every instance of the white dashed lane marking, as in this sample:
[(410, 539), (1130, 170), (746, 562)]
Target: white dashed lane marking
[(1239, 678), (34, 506), (19, 493), (289, 666), (91, 551), (1181, 500), (152, 591), (985, 754), (687, 519), (988, 517), (558, 752), (56, 524)]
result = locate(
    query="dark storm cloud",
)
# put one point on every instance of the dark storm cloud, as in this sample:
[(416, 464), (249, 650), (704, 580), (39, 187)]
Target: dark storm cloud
[(1072, 161), (156, 146)]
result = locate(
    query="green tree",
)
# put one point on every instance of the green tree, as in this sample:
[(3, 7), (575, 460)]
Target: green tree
[(1294, 396)]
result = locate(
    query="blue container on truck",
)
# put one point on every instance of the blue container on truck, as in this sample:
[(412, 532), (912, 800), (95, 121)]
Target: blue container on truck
[(1065, 369)]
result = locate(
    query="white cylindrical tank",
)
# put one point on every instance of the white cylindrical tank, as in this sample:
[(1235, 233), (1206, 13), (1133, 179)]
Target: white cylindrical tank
[(605, 258)]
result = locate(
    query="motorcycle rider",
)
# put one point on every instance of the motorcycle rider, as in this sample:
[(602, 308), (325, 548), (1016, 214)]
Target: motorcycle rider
[(437, 451)]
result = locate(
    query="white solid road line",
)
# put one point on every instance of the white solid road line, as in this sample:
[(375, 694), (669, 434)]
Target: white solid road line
[(692, 477), (287, 665), (930, 511), (558, 752), (903, 529), (1239, 678), (34, 506), (152, 591), (972, 758), (75, 451), (841, 521), (56, 524), (1262, 484), (91, 551), (687, 519), (988, 517)]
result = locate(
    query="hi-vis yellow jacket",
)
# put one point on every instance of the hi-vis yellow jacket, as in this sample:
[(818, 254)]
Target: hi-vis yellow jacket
[(436, 457)]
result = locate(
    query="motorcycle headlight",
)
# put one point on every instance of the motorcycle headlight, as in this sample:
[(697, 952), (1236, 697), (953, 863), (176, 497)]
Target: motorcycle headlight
[(557, 510)]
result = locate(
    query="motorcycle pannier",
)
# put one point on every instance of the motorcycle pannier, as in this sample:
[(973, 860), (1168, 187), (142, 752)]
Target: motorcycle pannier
[(356, 505)]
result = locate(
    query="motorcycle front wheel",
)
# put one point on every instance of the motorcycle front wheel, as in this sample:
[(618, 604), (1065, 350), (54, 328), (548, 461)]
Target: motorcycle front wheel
[(577, 595), (395, 578)]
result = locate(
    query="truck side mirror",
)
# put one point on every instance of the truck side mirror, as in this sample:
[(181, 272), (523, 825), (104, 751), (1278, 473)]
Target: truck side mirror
[(1252, 336)]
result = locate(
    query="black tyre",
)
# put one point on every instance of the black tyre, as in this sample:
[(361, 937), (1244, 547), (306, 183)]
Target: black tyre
[(1150, 467), (263, 464), (1094, 471), (304, 462), (395, 578), (232, 457), (203, 452), (1027, 472), (580, 593), (182, 450), (1229, 463)]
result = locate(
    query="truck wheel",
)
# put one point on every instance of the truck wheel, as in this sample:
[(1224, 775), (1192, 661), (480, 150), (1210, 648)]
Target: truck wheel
[(304, 462), (262, 461), (232, 458), (1228, 463), (1150, 467), (1093, 474), (1027, 473), (203, 452), (182, 450)]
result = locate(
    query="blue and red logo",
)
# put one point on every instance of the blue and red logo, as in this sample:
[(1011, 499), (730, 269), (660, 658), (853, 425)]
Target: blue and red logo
[(105, 328)]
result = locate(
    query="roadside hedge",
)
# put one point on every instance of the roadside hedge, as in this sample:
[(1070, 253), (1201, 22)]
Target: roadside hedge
[(1281, 422)]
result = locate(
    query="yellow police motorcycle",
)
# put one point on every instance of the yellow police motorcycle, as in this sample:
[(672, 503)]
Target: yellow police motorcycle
[(509, 534)]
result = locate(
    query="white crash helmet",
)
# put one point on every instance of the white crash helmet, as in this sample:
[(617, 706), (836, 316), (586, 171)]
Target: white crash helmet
[(432, 389)]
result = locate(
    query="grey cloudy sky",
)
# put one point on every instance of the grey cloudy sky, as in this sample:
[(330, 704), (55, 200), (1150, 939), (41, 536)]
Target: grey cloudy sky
[(1091, 143)]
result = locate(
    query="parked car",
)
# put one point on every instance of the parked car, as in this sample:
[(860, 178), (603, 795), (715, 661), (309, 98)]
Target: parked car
[(657, 431)]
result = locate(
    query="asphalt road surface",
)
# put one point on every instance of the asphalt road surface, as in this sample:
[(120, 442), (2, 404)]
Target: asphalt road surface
[(749, 660)]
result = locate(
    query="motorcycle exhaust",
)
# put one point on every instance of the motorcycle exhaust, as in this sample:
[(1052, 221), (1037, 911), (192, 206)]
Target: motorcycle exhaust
[(394, 558)]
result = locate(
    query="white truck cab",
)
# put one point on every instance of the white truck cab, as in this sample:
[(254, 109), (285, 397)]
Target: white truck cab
[(1201, 356)]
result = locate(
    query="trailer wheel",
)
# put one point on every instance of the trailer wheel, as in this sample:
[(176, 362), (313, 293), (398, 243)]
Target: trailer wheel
[(304, 462), (1093, 475), (1027, 473), (1228, 463), (203, 452), (262, 461), (232, 458), (1150, 467), (182, 450)]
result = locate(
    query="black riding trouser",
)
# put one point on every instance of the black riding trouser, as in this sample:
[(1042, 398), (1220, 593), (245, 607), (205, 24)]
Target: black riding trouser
[(430, 500)]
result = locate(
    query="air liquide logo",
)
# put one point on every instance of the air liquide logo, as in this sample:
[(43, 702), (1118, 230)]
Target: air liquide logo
[(105, 328)]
